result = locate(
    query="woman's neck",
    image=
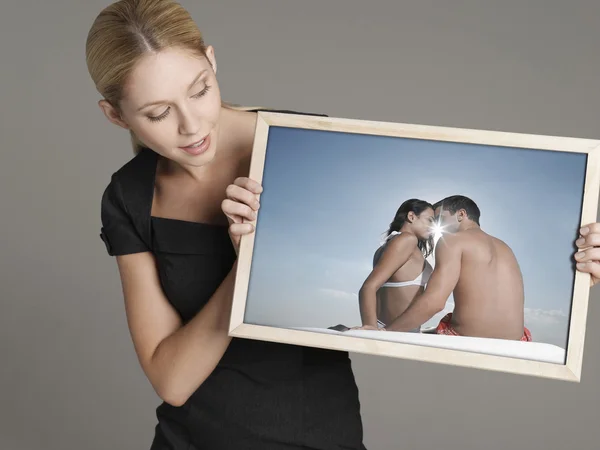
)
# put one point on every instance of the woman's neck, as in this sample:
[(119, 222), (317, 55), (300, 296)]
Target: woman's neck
[(235, 136), (405, 228), (236, 132)]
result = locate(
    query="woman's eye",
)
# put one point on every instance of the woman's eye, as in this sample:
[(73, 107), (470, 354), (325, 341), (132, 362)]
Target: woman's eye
[(160, 117), (202, 92), (166, 113)]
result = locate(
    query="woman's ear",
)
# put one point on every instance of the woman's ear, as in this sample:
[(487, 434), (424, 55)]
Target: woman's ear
[(112, 114), (210, 54), (410, 217)]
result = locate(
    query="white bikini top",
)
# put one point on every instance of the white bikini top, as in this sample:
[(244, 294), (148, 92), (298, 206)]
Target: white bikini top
[(420, 280)]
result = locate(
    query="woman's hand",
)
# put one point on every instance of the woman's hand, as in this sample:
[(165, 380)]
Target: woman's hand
[(240, 206), (588, 256)]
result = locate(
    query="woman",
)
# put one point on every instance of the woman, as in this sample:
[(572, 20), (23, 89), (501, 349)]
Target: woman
[(173, 216), (400, 269)]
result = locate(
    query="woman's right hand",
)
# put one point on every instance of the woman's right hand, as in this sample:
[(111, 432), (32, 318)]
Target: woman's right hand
[(240, 206)]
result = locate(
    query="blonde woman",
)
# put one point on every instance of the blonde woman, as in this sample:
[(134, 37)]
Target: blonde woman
[(173, 216)]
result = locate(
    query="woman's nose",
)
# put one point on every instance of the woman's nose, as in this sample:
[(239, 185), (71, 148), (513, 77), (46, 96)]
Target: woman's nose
[(188, 124)]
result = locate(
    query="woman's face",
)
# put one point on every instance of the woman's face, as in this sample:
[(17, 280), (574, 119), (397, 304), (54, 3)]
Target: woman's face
[(172, 103), (422, 224)]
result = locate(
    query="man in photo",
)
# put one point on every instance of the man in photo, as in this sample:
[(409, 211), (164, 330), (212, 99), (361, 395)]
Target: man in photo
[(482, 273)]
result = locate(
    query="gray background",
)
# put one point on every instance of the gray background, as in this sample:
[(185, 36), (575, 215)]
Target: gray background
[(69, 378)]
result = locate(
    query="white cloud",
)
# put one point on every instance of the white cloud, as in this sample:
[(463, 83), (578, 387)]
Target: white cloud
[(547, 325), (339, 294), (545, 316)]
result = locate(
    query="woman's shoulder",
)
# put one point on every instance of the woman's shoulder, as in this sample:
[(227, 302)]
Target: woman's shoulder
[(124, 204), (398, 240), (141, 165), (273, 110), (130, 181), (134, 175)]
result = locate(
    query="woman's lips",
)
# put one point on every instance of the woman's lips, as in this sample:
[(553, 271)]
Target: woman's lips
[(198, 147)]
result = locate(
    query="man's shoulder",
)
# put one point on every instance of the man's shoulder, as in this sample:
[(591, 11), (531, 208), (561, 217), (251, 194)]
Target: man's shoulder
[(449, 245), (477, 235), (471, 235), (474, 241), (453, 238)]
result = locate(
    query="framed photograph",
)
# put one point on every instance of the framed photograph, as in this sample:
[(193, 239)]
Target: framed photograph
[(444, 245)]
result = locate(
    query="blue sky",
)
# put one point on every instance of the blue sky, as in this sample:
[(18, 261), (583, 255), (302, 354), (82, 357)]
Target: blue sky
[(329, 197)]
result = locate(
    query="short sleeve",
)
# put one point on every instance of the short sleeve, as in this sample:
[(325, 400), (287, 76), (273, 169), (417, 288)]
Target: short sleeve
[(118, 232)]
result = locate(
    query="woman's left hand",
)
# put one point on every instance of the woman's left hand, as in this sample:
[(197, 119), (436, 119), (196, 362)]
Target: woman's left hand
[(588, 256), (241, 206)]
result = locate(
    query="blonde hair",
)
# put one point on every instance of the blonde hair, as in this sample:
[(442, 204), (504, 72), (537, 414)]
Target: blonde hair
[(125, 31)]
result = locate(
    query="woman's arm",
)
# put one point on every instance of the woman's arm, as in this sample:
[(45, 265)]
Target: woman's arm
[(178, 358), (175, 358), (394, 256)]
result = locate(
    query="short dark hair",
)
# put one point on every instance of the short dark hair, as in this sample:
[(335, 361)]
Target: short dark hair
[(456, 202)]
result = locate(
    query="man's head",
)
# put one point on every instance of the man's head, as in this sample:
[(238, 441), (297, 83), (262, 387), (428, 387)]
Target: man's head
[(454, 213)]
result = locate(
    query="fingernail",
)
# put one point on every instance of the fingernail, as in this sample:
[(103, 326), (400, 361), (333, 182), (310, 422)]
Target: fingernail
[(581, 266), (580, 241), (579, 255), (584, 231)]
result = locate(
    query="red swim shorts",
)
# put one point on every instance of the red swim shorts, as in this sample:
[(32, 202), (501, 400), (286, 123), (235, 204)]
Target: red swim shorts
[(444, 327)]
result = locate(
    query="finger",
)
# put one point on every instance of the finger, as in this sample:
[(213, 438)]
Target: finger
[(590, 254), (241, 229), (240, 194), (591, 267), (589, 240), (227, 208), (590, 228), (249, 184), (237, 211)]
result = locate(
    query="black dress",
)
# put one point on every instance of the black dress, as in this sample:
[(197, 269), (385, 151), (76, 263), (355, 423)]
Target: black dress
[(262, 395)]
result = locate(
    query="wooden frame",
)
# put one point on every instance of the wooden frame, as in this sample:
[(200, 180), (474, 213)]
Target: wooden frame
[(422, 347)]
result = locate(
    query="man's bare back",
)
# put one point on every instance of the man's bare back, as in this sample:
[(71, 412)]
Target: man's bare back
[(488, 297), (480, 271)]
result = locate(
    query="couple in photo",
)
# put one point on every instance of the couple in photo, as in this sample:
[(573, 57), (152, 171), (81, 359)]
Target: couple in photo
[(404, 291)]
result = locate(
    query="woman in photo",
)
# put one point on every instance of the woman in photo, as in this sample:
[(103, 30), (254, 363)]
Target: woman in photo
[(400, 268)]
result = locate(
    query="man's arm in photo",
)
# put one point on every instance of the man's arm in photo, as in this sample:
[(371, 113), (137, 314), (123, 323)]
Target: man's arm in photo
[(442, 282)]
